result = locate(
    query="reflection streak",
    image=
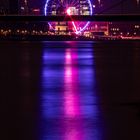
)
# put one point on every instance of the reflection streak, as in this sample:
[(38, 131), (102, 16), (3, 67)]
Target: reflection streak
[(69, 106), (73, 125)]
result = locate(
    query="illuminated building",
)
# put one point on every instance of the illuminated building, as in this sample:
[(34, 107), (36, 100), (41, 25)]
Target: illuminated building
[(61, 27), (124, 29), (58, 27), (72, 11), (80, 7), (84, 7), (24, 9), (96, 29), (36, 11)]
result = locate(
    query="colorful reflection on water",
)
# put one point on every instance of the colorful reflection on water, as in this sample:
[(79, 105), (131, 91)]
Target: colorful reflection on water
[(73, 129), (70, 90), (71, 99), (68, 98)]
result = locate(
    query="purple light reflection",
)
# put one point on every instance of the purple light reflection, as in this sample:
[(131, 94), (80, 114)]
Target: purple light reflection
[(71, 99), (88, 94), (51, 77), (73, 126)]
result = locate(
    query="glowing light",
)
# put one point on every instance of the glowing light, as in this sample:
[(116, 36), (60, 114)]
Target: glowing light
[(70, 93), (99, 1), (68, 57), (69, 12), (138, 2), (22, 8), (74, 27), (36, 10)]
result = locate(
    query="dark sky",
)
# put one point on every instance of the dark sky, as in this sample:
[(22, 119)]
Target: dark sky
[(4, 3), (37, 3), (127, 6)]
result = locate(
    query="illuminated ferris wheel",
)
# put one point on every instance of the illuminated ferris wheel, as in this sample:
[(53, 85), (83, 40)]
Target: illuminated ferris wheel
[(69, 7)]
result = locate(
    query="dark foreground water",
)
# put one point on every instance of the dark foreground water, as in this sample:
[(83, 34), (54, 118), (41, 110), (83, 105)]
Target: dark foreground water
[(70, 90)]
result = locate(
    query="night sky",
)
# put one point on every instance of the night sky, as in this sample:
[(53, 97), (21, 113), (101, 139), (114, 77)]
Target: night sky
[(4, 3), (128, 6)]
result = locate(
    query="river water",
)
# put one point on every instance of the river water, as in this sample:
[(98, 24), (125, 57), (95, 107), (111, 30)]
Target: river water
[(70, 90)]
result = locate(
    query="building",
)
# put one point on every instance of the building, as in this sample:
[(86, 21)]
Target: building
[(66, 27), (24, 7), (36, 4), (61, 27), (84, 7), (124, 29), (35, 11), (97, 29)]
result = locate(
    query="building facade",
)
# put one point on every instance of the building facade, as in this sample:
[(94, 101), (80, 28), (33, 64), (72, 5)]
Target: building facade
[(124, 28), (24, 7)]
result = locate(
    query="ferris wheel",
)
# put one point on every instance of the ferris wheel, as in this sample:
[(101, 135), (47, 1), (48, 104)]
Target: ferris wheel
[(69, 7)]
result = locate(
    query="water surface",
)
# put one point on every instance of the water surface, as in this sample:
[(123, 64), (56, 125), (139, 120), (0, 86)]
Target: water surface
[(70, 90)]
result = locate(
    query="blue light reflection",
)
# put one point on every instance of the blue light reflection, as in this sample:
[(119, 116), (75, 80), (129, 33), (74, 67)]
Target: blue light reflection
[(69, 100)]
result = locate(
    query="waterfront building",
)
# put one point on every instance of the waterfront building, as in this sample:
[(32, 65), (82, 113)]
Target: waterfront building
[(35, 11), (24, 7), (124, 29), (97, 29), (84, 7), (58, 27), (81, 8)]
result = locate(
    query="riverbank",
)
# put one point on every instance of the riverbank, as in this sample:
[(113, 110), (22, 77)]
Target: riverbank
[(62, 38)]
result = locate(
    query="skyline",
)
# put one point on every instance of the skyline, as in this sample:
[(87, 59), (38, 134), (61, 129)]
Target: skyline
[(128, 6), (99, 6)]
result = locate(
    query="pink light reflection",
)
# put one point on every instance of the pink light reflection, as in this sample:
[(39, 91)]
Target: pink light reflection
[(68, 57), (73, 130), (71, 103)]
